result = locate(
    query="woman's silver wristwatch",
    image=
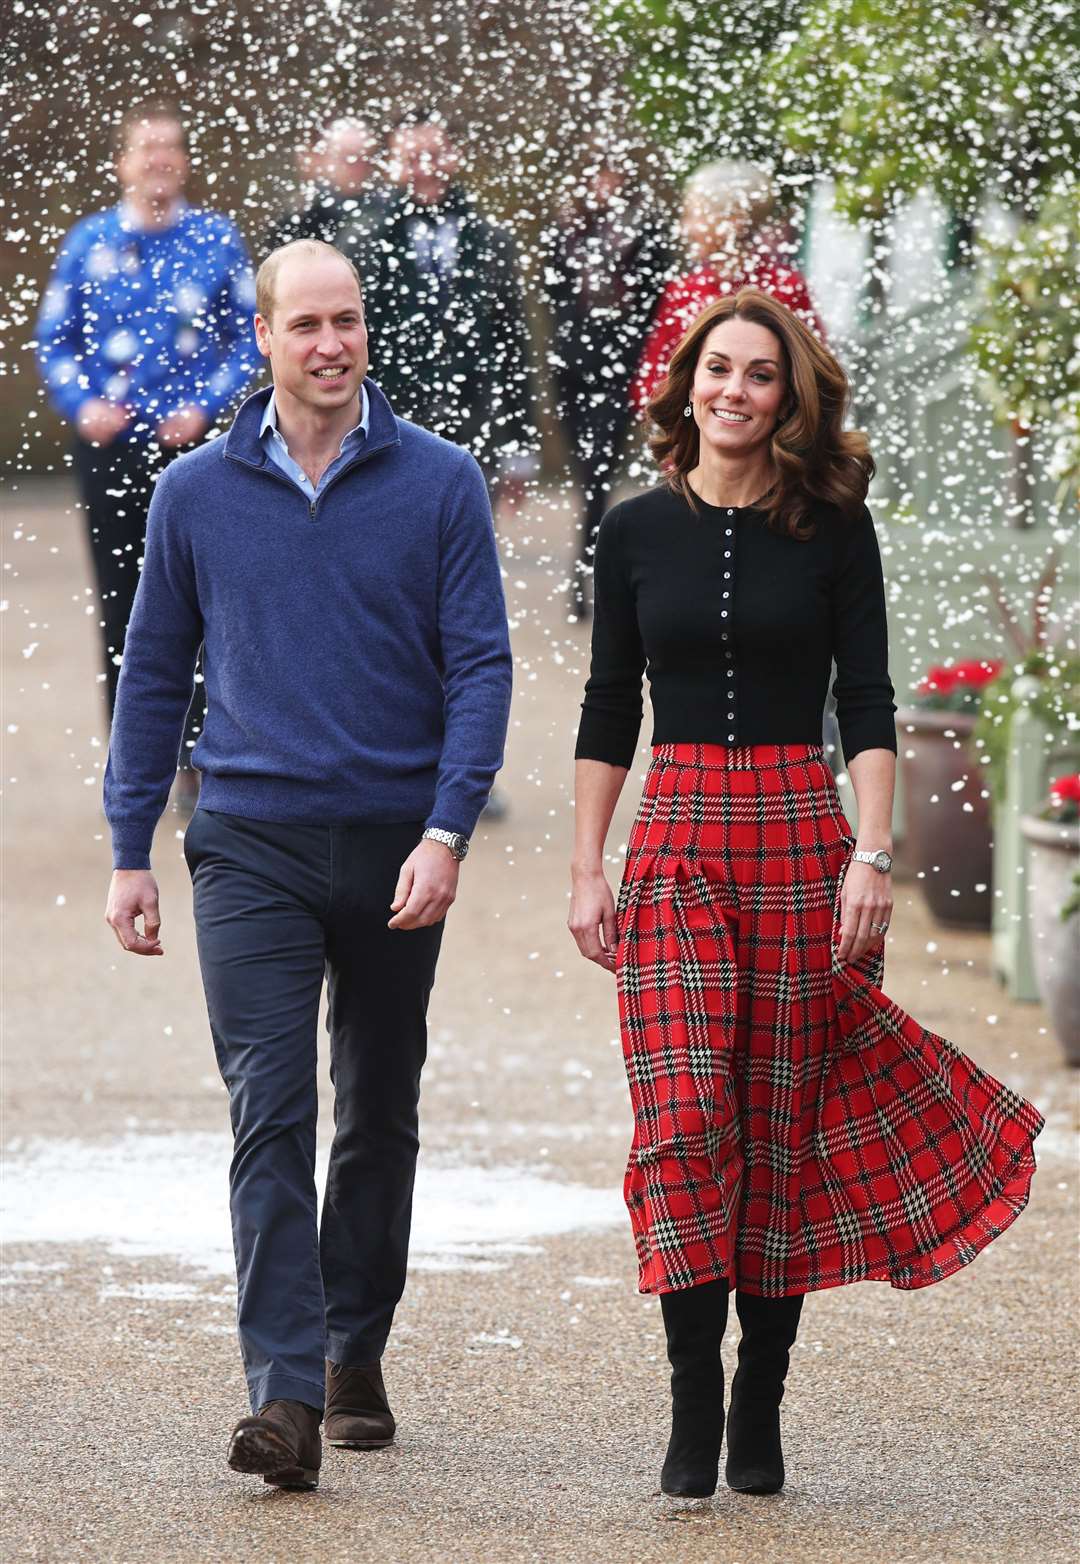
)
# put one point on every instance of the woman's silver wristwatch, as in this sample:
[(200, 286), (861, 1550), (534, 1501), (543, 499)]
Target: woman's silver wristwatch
[(458, 844), (881, 860)]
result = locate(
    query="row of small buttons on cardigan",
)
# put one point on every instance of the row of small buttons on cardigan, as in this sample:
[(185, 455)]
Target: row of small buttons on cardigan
[(729, 655)]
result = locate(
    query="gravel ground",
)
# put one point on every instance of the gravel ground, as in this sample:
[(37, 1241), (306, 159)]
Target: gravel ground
[(527, 1375)]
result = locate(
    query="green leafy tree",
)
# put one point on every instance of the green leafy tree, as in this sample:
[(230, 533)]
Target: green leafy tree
[(1027, 334), (963, 97), (971, 101), (697, 73)]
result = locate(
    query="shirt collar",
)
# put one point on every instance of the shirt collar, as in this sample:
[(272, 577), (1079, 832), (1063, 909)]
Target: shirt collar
[(269, 420)]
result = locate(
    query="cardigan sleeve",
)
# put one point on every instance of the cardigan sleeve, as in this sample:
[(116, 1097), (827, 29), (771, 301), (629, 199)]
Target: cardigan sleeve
[(611, 710), (863, 689)]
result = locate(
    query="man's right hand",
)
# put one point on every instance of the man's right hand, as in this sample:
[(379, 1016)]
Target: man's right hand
[(133, 893), (100, 421)]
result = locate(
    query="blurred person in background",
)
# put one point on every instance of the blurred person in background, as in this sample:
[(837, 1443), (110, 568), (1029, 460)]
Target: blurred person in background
[(348, 203), (143, 340), (605, 257), (446, 313), (732, 236)]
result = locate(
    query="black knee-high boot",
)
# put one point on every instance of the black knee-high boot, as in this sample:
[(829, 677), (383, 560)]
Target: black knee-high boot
[(755, 1458), (694, 1320)]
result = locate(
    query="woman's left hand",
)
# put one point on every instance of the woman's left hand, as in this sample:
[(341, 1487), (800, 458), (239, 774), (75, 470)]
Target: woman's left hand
[(866, 900)]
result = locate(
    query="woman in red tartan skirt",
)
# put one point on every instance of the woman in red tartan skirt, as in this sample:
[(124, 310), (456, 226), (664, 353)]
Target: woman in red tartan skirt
[(794, 1128)]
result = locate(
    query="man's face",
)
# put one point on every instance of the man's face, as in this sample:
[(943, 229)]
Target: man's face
[(316, 340), (153, 166), (424, 161), (346, 163)]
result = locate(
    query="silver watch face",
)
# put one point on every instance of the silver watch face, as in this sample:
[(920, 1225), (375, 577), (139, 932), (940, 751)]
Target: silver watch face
[(458, 844), (882, 861)]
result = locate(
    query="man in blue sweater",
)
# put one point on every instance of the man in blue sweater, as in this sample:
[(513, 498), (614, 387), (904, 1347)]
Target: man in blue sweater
[(143, 339), (338, 566)]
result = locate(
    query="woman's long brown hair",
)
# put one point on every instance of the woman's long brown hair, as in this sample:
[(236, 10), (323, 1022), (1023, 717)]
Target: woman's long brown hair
[(815, 459)]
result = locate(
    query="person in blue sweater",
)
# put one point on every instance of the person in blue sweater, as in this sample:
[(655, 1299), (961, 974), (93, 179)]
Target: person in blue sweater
[(143, 340), (338, 566)]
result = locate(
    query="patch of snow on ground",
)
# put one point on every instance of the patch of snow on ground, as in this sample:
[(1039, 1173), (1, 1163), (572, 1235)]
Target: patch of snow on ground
[(168, 1195)]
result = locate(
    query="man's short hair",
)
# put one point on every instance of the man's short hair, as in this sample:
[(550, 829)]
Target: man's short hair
[(266, 276), (140, 114)]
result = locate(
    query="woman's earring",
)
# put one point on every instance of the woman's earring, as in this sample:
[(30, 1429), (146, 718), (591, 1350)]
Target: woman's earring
[(688, 410)]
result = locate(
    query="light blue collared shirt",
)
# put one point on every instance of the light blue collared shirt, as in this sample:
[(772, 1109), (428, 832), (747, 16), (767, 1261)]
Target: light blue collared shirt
[(274, 441)]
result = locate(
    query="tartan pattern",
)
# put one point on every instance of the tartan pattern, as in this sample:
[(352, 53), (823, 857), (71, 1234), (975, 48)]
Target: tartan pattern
[(794, 1129)]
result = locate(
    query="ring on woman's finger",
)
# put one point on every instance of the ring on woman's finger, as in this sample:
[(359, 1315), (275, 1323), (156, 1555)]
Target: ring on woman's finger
[(880, 928)]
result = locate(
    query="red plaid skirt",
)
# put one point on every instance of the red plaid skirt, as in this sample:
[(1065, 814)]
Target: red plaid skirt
[(794, 1129)]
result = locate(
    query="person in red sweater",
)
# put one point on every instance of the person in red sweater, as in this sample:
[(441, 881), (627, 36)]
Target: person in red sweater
[(729, 227)]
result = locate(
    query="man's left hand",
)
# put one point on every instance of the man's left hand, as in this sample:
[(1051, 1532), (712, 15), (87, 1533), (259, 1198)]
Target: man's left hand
[(426, 887), (183, 427)]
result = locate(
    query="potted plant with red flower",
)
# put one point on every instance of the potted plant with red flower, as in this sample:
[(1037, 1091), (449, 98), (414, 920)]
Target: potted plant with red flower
[(948, 841), (1053, 888)]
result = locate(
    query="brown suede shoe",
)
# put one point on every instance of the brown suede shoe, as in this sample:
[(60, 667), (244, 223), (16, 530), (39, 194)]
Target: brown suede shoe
[(281, 1442), (358, 1415)]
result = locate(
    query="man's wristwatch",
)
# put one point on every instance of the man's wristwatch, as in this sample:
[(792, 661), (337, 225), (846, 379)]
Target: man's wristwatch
[(881, 860), (458, 844)]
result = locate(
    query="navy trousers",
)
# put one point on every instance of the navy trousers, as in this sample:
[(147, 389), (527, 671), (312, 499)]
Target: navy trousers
[(276, 907)]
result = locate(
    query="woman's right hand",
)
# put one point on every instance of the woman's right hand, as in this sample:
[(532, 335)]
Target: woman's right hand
[(592, 918)]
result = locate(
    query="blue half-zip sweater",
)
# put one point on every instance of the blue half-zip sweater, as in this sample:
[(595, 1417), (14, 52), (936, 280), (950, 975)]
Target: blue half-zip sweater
[(355, 650)]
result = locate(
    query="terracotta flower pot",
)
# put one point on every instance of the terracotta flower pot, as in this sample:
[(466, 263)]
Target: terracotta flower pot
[(949, 834), (1053, 859)]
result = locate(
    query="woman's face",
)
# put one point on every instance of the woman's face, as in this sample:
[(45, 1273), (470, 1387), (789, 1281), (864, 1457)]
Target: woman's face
[(739, 387)]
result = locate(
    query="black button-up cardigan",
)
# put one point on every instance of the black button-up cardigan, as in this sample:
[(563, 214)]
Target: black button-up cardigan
[(738, 626)]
